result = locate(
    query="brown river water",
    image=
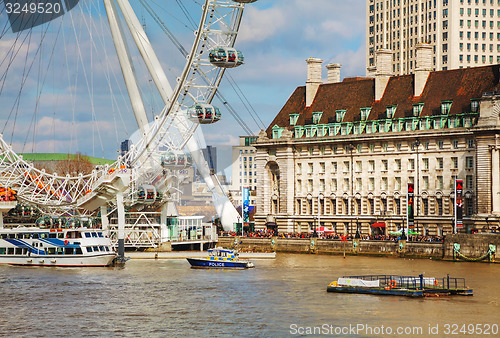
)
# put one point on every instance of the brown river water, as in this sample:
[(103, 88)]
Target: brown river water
[(279, 298)]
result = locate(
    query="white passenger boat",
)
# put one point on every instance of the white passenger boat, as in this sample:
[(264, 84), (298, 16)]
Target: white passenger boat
[(67, 247)]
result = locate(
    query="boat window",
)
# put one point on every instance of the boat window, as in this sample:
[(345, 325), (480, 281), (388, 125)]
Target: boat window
[(99, 234), (60, 235), (12, 236), (19, 251), (3, 235), (19, 236), (101, 248), (10, 251), (59, 251), (96, 248), (51, 251), (68, 251), (94, 234), (89, 249), (87, 234), (2, 251), (107, 249), (79, 251), (51, 235), (43, 236), (35, 236)]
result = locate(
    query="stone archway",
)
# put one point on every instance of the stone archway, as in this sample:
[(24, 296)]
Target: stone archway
[(273, 178)]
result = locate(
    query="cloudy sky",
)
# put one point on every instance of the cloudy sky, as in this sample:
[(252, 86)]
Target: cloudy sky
[(66, 94)]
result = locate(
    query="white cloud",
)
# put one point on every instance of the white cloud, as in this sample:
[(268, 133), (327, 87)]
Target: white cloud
[(259, 25)]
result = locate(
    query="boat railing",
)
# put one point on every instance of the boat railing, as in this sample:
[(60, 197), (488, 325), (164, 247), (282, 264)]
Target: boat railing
[(453, 283), (405, 282)]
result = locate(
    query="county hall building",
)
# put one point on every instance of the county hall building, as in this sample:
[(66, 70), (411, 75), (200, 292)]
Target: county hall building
[(340, 154)]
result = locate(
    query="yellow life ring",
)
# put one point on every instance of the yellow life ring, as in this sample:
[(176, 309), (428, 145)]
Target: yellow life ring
[(393, 283)]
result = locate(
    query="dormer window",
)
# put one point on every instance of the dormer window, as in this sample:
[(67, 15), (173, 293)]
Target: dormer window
[(365, 112), (445, 107), (317, 117), (391, 110), (340, 113), (277, 132), (293, 119), (417, 109), (474, 106)]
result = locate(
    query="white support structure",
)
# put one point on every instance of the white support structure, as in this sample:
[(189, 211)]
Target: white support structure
[(126, 66)]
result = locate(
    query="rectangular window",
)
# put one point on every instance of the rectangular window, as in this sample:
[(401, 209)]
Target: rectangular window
[(425, 182), (334, 167), (411, 164), (385, 165), (454, 163), (426, 163), (321, 185), (359, 166), (346, 184), (359, 184), (299, 186), (384, 183), (397, 184), (398, 164), (439, 203), (346, 166), (440, 163), (322, 167), (371, 182), (469, 183), (334, 184), (371, 165), (469, 162), (439, 183)]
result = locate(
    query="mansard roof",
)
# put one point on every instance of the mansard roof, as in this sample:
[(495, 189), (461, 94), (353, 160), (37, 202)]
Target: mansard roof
[(459, 86)]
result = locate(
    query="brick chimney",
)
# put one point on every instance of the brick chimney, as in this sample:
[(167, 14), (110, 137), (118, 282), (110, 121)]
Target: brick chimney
[(333, 72), (423, 67), (383, 72), (313, 79)]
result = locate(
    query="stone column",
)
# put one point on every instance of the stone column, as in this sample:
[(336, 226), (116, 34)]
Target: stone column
[(495, 180), (104, 218)]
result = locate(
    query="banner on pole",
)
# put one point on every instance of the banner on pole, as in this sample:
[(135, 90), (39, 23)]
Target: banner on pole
[(410, 198), (246, 205), (459, 187)]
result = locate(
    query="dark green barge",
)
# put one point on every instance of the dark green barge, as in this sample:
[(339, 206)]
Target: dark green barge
[(408, 286)]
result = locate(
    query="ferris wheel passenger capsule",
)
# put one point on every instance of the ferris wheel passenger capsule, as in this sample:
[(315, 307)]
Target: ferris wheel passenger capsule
[(204, 114), (226, 57)]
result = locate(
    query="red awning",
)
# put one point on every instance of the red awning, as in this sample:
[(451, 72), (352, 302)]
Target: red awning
[(378, 225)]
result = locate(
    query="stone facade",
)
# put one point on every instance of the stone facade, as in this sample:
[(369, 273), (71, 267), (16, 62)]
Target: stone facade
[(345, 161)]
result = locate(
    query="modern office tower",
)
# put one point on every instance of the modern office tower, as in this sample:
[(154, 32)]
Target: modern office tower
[(462, 33)]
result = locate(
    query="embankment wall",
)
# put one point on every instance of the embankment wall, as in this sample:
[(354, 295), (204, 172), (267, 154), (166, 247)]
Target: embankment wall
[(471, 247)]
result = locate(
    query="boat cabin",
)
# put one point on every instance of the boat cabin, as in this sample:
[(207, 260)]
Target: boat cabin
[(226, 57)]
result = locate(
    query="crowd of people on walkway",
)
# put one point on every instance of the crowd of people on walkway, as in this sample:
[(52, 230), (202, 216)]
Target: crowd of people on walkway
[(268, 233)]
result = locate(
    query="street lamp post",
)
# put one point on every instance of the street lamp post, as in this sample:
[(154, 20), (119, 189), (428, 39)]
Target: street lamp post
[(416, 144), (351, 148)]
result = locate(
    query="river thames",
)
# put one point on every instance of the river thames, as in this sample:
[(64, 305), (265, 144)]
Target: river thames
[(282, 297)]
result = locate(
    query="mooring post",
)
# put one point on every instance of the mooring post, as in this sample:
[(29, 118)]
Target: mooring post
[(421, 281), (121, 226)]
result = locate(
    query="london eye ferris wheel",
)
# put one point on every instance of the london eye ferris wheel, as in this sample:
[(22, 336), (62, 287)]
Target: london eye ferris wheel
[(78, 76)]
